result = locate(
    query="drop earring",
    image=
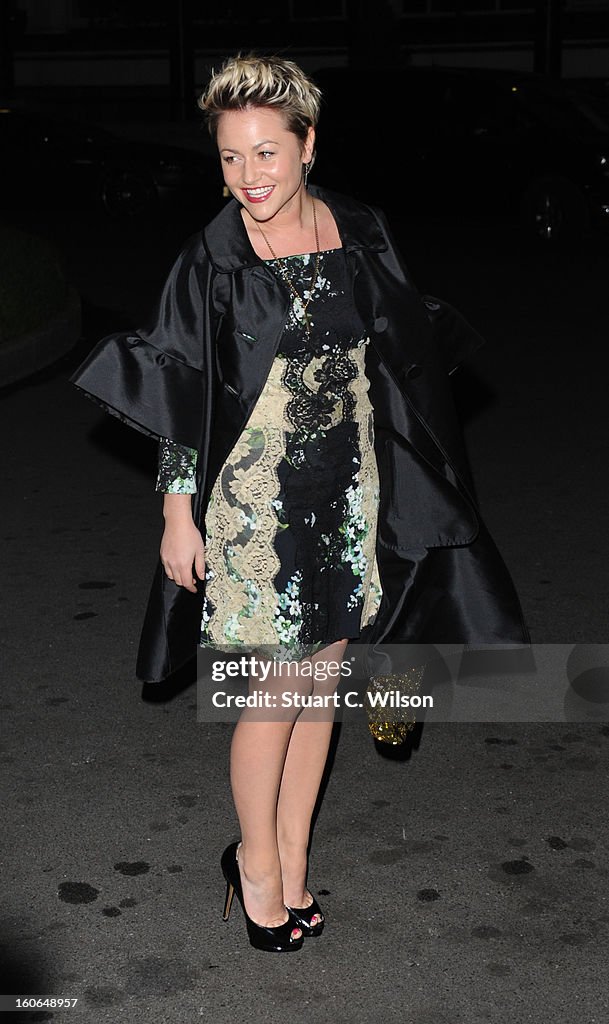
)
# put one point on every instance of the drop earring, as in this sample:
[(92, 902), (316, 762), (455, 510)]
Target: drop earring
[(305, 170)]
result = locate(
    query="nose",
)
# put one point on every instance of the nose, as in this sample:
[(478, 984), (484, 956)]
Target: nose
[(251, 173)]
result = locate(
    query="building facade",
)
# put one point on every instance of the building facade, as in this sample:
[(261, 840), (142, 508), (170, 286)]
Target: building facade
[(119, 52)]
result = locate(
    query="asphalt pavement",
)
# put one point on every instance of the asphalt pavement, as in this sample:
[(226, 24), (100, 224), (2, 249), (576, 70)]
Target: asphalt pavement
[(464, 880)]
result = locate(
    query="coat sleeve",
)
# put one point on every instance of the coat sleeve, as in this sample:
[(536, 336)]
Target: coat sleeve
[(153, 378), (454, 337)]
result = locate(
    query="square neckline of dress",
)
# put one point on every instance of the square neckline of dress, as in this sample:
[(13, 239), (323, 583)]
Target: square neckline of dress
[(295, 255)]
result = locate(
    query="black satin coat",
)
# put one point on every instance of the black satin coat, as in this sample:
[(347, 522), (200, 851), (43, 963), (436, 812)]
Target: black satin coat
[(195, 372)]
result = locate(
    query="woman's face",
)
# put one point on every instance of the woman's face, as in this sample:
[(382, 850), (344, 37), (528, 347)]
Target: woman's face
[(261, 160)]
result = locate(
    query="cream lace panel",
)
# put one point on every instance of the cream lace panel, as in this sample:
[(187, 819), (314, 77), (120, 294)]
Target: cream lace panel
[(241, 523), (368, 482)]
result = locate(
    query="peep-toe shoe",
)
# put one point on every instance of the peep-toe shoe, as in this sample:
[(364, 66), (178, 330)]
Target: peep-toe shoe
[(273, 940), (303, 917)]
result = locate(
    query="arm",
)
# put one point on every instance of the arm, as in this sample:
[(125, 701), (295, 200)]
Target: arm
[(182, 543)]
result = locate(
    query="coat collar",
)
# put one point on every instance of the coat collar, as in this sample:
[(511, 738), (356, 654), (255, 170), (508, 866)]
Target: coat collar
[(230, 249)]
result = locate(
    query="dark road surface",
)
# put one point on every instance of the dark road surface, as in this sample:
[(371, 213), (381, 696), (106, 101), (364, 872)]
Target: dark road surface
[(464, 884)]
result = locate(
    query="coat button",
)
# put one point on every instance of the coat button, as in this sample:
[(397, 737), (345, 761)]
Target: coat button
[(380, 324), (413, 371)]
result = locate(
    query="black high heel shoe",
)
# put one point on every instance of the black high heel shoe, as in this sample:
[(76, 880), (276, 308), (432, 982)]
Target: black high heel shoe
[(273, 940), (303, 917)]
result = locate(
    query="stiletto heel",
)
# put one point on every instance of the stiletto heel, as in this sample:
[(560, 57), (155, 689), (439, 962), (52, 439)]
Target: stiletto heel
[(228, 902), (303, 917), (273, 940)]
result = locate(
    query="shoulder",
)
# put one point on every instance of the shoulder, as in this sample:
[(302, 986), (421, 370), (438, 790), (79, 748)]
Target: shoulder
[(342, 201), (189, 271), (226, 242), (361, 225), (190, 258), (192, 251)]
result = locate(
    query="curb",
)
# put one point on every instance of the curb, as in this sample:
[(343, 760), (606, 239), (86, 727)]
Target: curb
[(20, 357)]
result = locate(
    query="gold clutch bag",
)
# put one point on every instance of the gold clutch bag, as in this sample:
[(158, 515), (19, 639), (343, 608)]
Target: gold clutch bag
[(387, 700)]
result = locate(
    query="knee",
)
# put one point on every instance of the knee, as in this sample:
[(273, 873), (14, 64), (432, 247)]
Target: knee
[(326, 677)]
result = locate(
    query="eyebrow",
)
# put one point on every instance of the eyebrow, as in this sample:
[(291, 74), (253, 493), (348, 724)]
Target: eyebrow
[(265, 142)]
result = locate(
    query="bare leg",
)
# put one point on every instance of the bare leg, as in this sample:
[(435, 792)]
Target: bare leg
[(258, 752), (303, 769)]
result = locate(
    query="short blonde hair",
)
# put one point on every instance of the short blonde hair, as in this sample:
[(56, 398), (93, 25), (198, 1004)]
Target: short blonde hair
[(248, 80)]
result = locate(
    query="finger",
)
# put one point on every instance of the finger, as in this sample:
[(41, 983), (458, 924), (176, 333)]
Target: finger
[(189, 584), (184, 578), (173, 573), (200, 565)]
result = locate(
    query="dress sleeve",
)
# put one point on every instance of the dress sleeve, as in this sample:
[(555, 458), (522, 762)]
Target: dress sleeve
[(177, 468)]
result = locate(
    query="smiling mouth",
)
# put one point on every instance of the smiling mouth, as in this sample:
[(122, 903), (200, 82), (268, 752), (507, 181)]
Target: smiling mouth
[(257, 195)]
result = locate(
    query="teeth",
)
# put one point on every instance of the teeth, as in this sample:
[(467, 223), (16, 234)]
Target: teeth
[(258, 191)]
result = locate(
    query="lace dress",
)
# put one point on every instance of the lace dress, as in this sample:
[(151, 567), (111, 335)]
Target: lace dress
[(291, 521)]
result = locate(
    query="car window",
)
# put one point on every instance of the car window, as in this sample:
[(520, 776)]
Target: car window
[(33, 130), (379, 102), (479, 107), (441, 104), (566, 112)]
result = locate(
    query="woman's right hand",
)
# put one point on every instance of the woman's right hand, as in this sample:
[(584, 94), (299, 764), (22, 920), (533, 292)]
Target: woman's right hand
[(182, 544)]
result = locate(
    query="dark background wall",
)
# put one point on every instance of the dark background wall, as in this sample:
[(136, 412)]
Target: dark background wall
[(102, 58)]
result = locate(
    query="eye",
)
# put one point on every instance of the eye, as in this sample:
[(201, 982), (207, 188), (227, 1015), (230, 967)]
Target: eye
[(266, 154), (229, 158)]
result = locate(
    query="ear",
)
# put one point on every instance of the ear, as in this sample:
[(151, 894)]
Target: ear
[(309, 146)]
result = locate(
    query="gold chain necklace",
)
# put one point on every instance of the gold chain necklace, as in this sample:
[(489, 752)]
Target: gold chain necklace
[(285, 276)]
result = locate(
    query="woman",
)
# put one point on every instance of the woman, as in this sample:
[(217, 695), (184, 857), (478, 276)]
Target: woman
[(316, 487)]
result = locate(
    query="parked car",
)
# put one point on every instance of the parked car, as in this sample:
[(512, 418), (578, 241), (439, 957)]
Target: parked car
[(472, 141), (55, 163)]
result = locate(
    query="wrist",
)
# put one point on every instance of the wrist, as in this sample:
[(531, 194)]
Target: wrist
[(177, 507)]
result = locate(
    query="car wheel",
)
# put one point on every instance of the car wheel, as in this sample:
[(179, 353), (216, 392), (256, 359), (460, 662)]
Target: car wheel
[(127, 193), (554, 209)]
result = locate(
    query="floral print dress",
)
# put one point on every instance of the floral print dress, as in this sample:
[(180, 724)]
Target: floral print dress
[(290, 528)]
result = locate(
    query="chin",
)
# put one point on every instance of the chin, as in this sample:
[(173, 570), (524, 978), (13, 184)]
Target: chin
[(261, 211)]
